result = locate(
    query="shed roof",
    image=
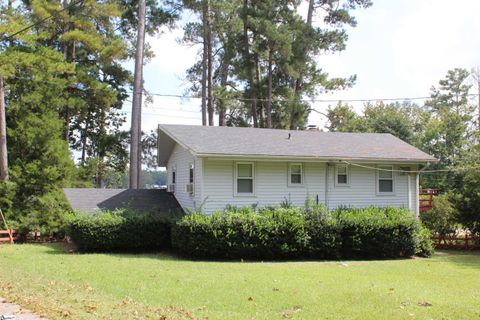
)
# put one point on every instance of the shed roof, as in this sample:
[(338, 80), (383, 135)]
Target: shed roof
[(90, 200), (292, 144)]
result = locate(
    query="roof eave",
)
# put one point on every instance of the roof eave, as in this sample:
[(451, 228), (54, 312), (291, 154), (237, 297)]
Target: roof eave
[(326, 159)]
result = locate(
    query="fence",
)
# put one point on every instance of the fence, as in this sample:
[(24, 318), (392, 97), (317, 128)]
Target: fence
[(459, 242), (426, 198)]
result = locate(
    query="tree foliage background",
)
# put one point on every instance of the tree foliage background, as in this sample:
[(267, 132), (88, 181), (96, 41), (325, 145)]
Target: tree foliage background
[(66, 83)]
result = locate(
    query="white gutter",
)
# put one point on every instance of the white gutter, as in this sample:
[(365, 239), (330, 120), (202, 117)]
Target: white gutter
[(313, 158), (417, 190), (327, 176)]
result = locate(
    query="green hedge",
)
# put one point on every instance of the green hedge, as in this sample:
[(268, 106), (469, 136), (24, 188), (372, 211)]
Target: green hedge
[(119, 230), (376, 232), (280, 233)]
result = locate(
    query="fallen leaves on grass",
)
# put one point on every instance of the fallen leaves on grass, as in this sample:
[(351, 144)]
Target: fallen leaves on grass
[(289, 313), (424, 304)]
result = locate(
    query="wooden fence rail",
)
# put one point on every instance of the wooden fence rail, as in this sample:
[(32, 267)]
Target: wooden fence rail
[(459, 242), (9, 236)]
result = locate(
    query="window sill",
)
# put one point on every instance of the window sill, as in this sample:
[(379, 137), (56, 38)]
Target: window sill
[(245, 195), (296, 185), (339, 185), (380, 194)]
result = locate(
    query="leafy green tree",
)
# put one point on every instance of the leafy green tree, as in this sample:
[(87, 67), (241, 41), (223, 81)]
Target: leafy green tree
[(343, 118), (449, 133), (266, 56)]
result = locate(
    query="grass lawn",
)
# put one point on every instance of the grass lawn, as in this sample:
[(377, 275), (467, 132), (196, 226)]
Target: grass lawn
[(155, 286)]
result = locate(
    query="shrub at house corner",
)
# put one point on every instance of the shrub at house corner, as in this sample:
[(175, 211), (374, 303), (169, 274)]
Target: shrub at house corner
[(119, 230)]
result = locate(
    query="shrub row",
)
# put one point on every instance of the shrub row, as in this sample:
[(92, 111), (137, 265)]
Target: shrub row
[(280, 233), (119, 230)]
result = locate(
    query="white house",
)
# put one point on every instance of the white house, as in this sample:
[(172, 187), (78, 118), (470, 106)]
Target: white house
[(212, 167)]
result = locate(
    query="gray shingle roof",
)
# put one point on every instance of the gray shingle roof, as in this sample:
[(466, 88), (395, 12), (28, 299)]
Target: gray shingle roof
[(91, 200), (255, 142)]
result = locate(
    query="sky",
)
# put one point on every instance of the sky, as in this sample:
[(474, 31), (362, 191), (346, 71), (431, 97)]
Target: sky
[(399, 49)]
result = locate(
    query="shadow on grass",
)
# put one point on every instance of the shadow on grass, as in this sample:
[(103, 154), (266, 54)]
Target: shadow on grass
[(171, 254), (468, 259)]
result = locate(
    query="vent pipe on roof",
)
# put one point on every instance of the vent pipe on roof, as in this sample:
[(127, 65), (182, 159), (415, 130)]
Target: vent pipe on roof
[(289, 136)]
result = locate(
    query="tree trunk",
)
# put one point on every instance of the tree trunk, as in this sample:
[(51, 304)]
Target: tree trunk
[(478, 88), (137, 98), (204, 65), (222, 121), (260, 103), (140, 135), (248, 63), (269, 94), (3, 136), (210, 68), (84, 142)]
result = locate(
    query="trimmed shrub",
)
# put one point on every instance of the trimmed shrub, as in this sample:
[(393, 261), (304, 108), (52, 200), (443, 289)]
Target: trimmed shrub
[(376, 232), (279, 233), (242, 233), (119, 230)]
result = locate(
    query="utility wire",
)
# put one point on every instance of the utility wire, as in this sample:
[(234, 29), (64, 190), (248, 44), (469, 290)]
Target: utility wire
[(303, 100), (413, 171), (179, 96), (71, 5)]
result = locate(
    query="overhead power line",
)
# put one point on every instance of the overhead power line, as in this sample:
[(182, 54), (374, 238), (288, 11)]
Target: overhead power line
[(71, 5), (466, 168), (179, 96), (303, 100)]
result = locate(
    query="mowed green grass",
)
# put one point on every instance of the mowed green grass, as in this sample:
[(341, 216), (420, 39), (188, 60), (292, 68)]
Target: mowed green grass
[(159, 286)]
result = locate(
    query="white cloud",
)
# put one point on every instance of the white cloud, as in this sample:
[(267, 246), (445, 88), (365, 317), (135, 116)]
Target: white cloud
[(170, 55)]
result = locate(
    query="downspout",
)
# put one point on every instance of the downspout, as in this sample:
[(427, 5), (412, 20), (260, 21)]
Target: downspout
[(409, 192), (327, 169)]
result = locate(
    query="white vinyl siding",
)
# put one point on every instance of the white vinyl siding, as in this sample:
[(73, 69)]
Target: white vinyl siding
[(363, 190), (215, 184), (271, 187), (182, 160)]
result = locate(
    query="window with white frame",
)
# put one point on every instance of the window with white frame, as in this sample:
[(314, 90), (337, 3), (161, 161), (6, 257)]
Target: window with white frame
[(341, 175), (245, 180), (295, 174), (174, 174), (385, 179)]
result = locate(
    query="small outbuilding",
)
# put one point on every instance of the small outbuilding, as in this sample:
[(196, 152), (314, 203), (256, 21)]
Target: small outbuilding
[(210, 168)]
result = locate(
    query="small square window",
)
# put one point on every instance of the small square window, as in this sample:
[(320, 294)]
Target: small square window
[(341, 176), (385, 179), (244, 179), (295, 174)]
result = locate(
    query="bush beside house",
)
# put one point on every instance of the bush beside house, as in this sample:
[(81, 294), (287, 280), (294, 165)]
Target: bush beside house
[(279, 233), (120, 230), (269, 233)]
